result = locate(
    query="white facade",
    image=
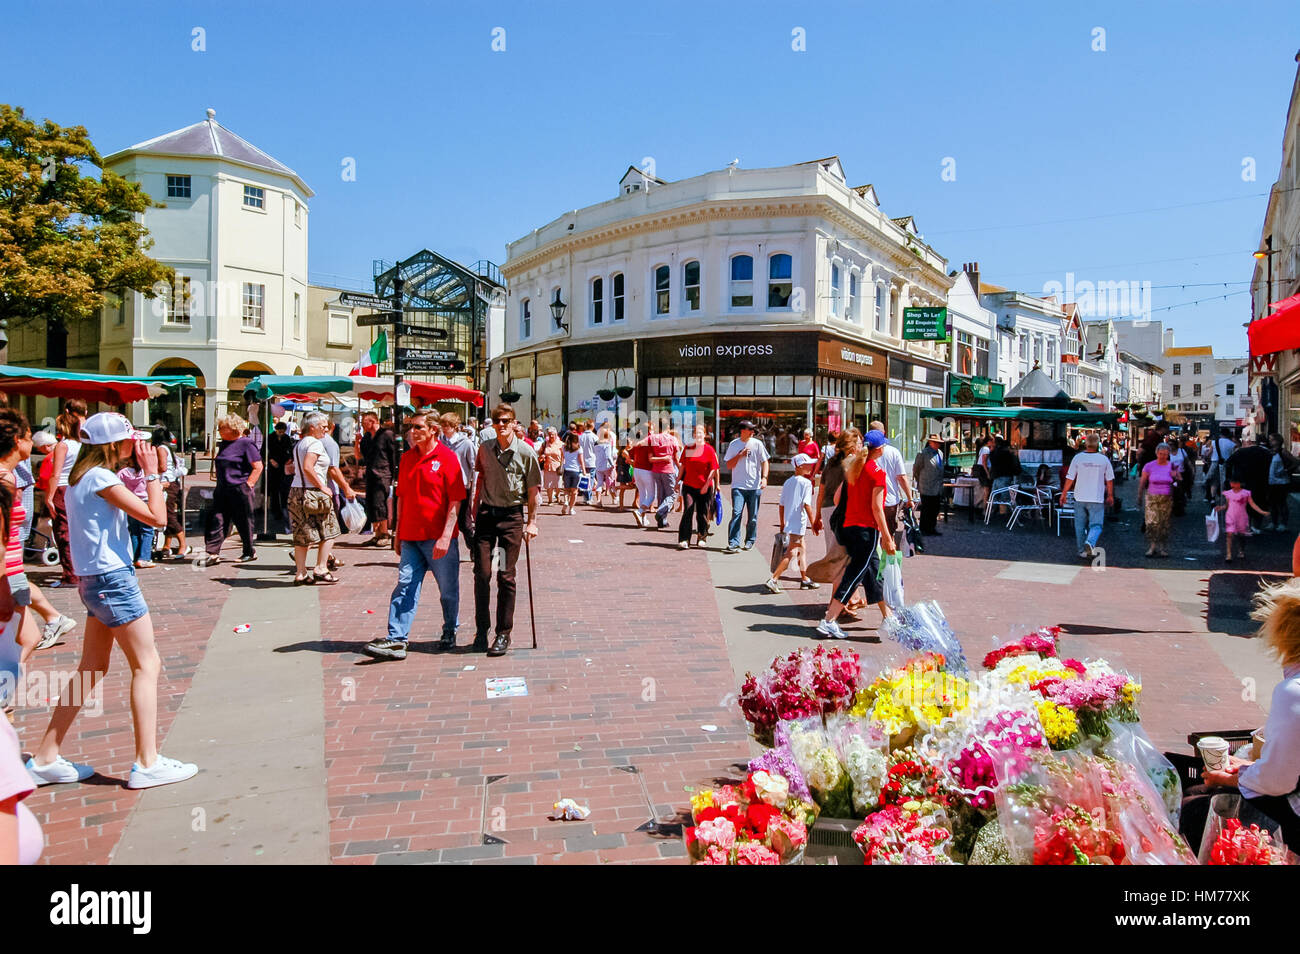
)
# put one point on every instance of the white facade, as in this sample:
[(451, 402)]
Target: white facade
[(1189, 379), (1139, 381), (1232, 398), (1029, 333), (974, 329), (818, 251), (233, 223)]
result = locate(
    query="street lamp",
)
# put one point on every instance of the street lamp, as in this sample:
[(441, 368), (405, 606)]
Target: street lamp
[(557, 312), (1267, 253)]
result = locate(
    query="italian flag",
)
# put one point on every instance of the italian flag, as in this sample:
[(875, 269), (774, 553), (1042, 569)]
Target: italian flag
[(367, 365)]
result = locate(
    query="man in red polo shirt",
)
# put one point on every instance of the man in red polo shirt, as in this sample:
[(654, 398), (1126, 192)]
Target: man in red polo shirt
[(428, 493)]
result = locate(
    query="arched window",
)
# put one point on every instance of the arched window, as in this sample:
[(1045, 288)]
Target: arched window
[(616, 292), (882, 323), (525, 318), (780, 273), (742, 281), (663, 296), (850, 304), (597, 301), (691, 285), (835, 291), (893, 312)]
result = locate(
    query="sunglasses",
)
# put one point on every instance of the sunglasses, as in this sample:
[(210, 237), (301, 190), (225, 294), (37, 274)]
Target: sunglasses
[(504, 420)]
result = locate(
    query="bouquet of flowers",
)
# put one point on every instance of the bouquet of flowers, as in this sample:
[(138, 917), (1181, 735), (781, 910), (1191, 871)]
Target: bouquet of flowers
[(1041, 643), (1052, 813), (915, 697), (1136, 813), (915, 783), (922, 627), (1239, 845), (902, 836), (1096, 700), (813, 752), (804, 683), (863, 749), (1128, 743), (1005, 741), (780, 761), (757, 822)]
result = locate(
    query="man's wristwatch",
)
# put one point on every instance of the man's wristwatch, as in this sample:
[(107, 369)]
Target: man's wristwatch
[(149, 477)]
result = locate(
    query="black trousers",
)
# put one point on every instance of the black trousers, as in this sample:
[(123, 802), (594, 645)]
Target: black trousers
[(232, 510), (864, 564), (930, 513), (697, 504), (496, 527)]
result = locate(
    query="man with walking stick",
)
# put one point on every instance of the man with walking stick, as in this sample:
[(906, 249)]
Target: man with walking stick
[(509, 477)]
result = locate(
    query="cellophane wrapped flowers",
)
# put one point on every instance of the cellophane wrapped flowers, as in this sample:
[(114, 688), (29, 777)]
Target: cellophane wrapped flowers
[(804, 683), (758, 822), (899, 835), (1239, 845), (923, 628), (1040, 643), (914, 697), (863, 750), (814, 753)]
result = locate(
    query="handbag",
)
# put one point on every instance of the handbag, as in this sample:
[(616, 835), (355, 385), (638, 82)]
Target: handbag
[(315, 503), (779, 543)]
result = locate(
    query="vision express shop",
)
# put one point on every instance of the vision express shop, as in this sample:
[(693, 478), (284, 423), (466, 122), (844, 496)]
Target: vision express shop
[(782, 381)]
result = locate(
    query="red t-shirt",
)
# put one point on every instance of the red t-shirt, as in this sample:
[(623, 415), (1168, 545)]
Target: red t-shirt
[(810, 448), (697, 464), (428, 485), (857, 511), (641, 456), (664, 445)]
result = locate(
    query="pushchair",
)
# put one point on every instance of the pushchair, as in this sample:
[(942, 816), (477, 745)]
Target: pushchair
[(40, 548)]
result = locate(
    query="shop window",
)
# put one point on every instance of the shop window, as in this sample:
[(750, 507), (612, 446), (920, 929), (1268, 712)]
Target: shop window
[(663, 295), (726, 384), (597, 301), (744, 384), (691, 285), (742, 281), (763, 384), (780, 277), (616, 290), (785, 384), (803, 384), (679, 385)]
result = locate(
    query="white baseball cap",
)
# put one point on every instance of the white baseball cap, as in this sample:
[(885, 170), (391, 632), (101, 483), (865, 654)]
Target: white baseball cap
[(802, 460), (110, 427), (44, 439)]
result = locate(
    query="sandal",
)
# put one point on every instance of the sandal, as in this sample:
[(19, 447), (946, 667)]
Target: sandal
[(323, 577), (334, 563), (304, 580)]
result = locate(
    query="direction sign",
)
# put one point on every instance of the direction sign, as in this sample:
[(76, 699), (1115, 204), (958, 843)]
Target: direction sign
[(427, 366), (425, 354), (362, 300), (420, 331), (379, 318)]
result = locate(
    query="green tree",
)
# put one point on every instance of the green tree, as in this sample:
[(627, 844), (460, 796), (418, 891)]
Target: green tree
[(66, 238)]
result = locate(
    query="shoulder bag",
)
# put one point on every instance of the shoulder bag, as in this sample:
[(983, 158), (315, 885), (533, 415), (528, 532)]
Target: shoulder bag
[(315, 503)]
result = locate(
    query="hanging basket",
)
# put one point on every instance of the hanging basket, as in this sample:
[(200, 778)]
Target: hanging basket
[(625, 391), (510, 397)]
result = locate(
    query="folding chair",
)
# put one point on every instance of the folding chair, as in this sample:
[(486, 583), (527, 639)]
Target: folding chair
[(1024, 502), (1066, 512), (1000, 497)]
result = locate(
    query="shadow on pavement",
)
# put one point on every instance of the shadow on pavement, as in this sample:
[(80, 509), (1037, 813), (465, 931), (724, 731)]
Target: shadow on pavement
[(1229, 601)]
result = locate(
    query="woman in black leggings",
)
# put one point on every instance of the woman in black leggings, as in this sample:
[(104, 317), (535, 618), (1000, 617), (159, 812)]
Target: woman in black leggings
[(697, 482), (864, 515)]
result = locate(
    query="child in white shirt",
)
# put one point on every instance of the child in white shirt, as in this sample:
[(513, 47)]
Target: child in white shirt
[(796, 518)]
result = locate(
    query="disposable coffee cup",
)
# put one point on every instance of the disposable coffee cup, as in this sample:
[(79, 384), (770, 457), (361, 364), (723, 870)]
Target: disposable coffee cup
[(1257, 744), (1214, 753)]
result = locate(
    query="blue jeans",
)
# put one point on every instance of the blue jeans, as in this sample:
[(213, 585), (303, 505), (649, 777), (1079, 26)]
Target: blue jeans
[(749, 500), (1088, 521), (141, 540), (417, 559)]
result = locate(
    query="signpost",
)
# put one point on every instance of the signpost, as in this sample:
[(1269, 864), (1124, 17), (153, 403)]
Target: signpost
[(425, 354), (439, 366), (420, 331), (362, 300), (925, 324), (379, 318)]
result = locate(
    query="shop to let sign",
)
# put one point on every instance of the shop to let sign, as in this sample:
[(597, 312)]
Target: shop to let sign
[(925, 324)]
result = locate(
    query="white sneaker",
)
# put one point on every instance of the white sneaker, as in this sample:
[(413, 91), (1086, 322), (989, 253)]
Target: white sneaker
[(54, 630), (636, 515), (58, 771), (773, 586), (683, 545), (828, 627), (164, 772)]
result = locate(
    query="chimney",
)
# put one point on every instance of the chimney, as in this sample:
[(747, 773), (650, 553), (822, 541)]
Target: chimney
[(973, 270)]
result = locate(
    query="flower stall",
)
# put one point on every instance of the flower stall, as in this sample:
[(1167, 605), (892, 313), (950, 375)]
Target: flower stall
[(1036, 758)]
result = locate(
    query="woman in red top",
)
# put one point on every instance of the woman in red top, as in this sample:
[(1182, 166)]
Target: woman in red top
[(645, 485), (697, 482), (864, 515)]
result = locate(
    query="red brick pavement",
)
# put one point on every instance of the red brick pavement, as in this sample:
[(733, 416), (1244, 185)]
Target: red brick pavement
[(631, 664), (83, 823)]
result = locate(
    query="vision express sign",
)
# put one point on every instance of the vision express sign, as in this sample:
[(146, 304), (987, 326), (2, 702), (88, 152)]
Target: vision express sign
[(743, 353)]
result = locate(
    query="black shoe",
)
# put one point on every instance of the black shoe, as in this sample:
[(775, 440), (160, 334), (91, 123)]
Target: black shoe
[(480, 644), (247, 559), (385, 648), (500, 646), (448, 642)]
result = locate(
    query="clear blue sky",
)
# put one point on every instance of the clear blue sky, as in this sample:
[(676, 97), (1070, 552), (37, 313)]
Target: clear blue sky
[(462, 149)]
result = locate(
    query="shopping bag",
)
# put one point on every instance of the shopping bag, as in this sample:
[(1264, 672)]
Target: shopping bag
[(1212, 528), (354, 516), (584, 484), (891, 570), (779, 543), (717, 508)]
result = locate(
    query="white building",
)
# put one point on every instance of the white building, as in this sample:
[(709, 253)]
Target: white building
[(1233, 402), (233, 222), (775, 294), (1140, 380), (1189, 380), (1029, 333), (974, 337)]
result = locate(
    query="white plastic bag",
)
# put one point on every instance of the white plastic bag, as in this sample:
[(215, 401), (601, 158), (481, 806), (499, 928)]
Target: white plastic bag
[(891, 565), (354, 515), (1212, 528)]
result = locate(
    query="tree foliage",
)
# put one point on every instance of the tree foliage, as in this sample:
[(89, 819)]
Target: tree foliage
[(66, 237)]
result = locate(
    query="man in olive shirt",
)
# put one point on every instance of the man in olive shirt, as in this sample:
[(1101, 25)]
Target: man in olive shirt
[(508, 476)]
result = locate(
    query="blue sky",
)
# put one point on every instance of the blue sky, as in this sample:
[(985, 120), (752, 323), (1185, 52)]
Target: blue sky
[(1067, 159)]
